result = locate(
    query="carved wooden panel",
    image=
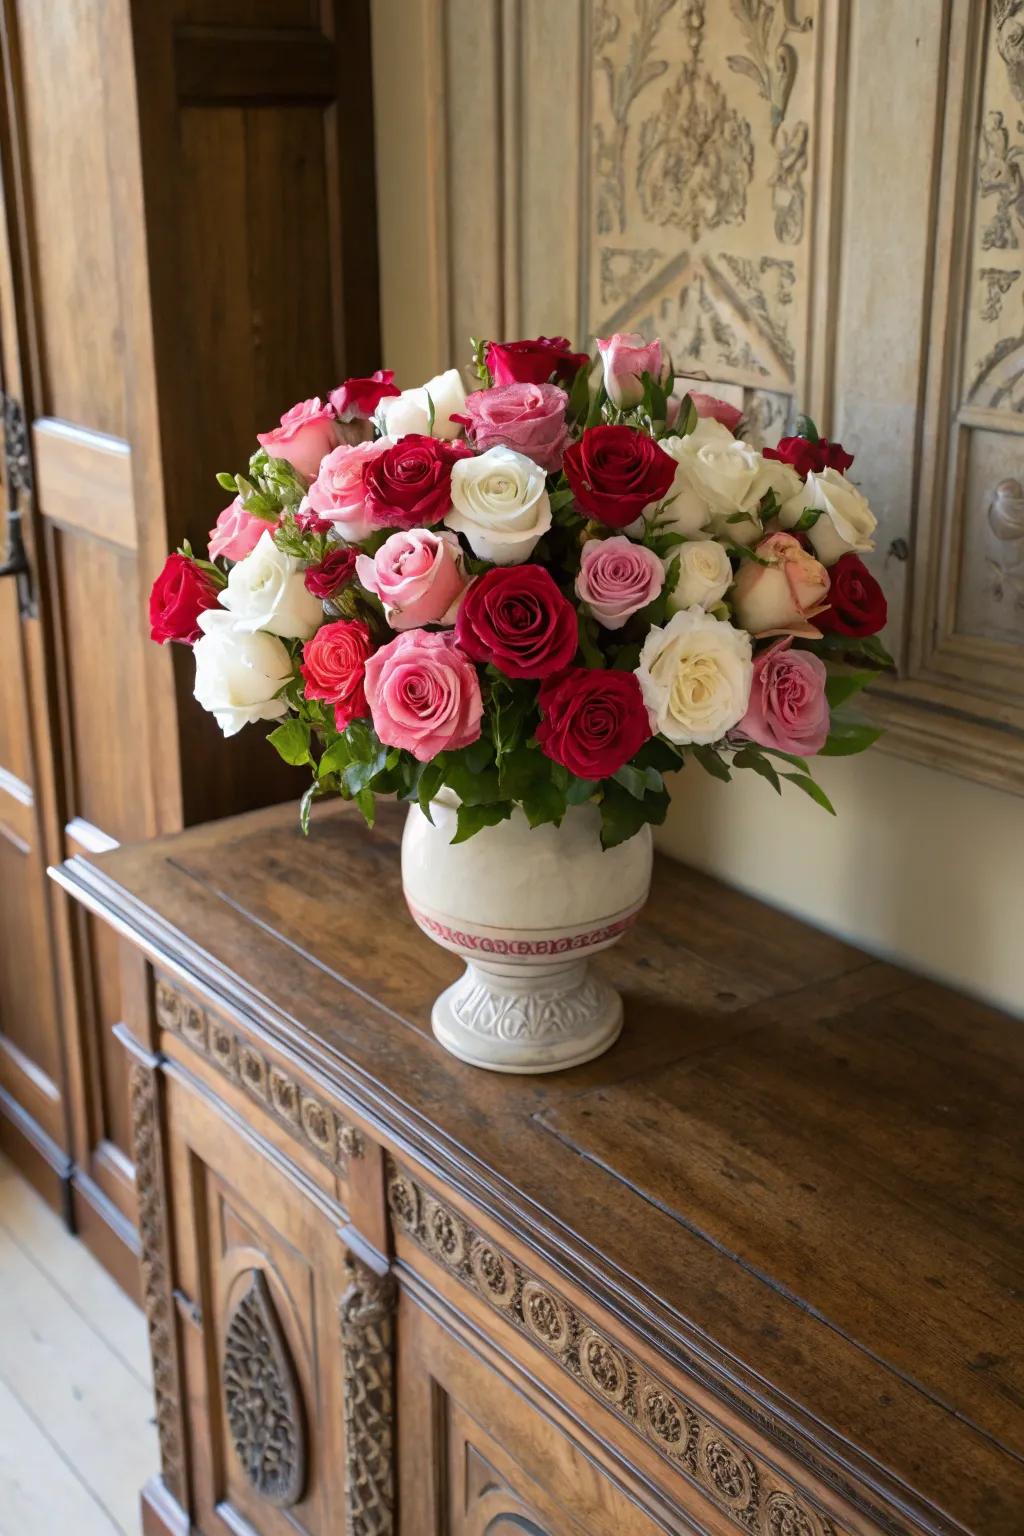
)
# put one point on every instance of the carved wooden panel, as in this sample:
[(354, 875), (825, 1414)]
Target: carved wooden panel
[(265, 1416), (820, 207)]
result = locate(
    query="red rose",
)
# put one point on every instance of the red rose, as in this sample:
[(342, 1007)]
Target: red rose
[(181, 592), (858, 605), (333, 664), (806, 456), (335, 571), (593, 722), (359, 398), (516, 618), (615, 472), (409, 485), (533, 362)]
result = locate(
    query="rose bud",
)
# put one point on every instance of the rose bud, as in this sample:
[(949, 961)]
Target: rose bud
[(534, 362), (627, 357), (235, 533), (335, 571), (847, 522), (780, 598), (358, 399)]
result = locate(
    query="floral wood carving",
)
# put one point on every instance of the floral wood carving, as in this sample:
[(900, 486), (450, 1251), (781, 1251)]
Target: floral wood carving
[(262, 1399), (157, 1292), (305, 1115), (743, 1485), (770, 60), (367, 1333)]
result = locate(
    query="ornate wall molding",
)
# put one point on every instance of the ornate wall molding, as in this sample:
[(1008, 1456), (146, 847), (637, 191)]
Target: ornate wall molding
[(366, 1313), (304, 1114), (263, 1404), (157, 1289), (739, 1481)]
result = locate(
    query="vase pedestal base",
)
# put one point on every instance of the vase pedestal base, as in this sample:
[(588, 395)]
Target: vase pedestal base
[(518, 1018)]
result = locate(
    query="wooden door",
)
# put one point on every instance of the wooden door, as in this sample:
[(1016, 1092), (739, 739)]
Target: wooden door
[(189, 222)]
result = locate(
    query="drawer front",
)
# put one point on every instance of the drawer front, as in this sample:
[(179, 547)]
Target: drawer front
[(666, 1431)]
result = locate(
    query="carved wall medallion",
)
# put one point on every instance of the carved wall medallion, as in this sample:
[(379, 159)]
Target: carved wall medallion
[(743, 1485), (262, 1399), (367, 1332), (307, 1117), (157, 1289)]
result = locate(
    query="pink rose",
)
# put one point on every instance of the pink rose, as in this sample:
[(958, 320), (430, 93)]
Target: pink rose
[(306, 433), (236, 532), (338, 493), (418, 575), (781, 597), (788, 710), (718, 410), (424, 694), (529, 418), (627, 357), (617, 578)]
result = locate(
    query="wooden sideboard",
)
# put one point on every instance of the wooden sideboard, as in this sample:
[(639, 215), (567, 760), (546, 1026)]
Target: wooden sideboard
[(757, 1270)]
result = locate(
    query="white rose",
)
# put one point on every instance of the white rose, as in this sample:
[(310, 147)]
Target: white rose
[(238, 674), (266, 591), (847, 522), (410, 411), (718, 478), (695, 676), (500, 502), (705, 575)]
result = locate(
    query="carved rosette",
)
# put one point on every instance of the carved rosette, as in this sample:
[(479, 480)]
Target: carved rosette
[(367, 1332), (744, 1487), (262, 1398), (157, 1293)]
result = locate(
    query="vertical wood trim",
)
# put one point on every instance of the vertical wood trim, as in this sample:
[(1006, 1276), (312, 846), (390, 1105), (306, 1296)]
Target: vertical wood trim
[(583, 204), (831, 68), (366, 1313), (510, 39)]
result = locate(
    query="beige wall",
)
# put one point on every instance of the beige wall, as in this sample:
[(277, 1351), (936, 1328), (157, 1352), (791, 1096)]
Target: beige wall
[(490, 119), (919, 866)]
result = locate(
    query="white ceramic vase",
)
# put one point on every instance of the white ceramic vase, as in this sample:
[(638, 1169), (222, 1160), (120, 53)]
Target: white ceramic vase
[(525, 908)]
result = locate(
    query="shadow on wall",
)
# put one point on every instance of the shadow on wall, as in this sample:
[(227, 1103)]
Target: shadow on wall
[(919, 867)]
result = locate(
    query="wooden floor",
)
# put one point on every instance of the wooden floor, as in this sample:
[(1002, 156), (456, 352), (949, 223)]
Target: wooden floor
[(77, 1439)]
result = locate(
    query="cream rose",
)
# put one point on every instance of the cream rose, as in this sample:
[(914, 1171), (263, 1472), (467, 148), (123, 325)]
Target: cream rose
[(718, 478), (847, 522), (704, 574), (410, 411), (500, 502), (238, 674), (695, 675), (267, 591)]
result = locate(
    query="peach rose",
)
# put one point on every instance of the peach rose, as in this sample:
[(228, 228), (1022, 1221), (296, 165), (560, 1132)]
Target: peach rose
[(780, 598)]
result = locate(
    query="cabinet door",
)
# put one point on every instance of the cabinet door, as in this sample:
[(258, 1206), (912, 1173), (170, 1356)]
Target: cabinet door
[(479, 1456), (286, 1339)]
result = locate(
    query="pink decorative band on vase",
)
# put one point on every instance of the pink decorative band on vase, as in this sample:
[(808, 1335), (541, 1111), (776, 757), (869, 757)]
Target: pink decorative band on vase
[(526, 908)]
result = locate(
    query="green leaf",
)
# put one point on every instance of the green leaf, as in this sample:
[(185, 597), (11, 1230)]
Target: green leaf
[(579, 394), (806, 783), (622, 815), (807, 519), (334, 757), (430, 414), (226, 482), (639, 781), (748, 757), (520, 771), (711, 763), (478, 756), (787, 757), (579, 791), (805, 428), (655, 398), (561, 498), (471, 819), (430, 782), (843, 685), (687, 419), (597, 402), (368, 805), (361, 773), (291, 738), (544, 802), (848, 735), (589, 649)]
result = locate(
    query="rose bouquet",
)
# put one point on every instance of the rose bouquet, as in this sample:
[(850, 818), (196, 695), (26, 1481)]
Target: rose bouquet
[(548, 591)]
